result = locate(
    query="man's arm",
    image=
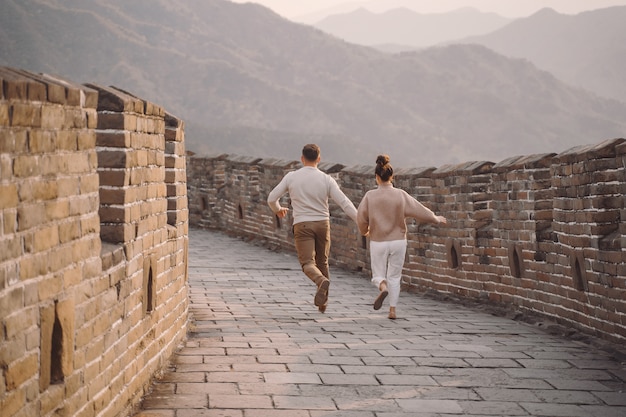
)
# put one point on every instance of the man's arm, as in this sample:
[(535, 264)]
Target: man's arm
[(342, 200), (275, 195)]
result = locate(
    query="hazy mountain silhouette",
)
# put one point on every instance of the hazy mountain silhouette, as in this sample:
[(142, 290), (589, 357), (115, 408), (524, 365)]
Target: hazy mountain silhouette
[(407, 28), (586, 50), (248, 81)]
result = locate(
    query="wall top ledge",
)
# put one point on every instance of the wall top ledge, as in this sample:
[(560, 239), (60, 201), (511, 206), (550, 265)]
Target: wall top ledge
[(415, 172), (75, 94), (240, 159), (173, 121), (359, 169), (330, 167), (543, 160), (464, 168), (605, 149), (112, 99), (397, 172), (149, 108), (19, 84), (207, 157), (277, 162)]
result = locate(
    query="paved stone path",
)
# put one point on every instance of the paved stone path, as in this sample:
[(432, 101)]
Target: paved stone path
[(258, 347)]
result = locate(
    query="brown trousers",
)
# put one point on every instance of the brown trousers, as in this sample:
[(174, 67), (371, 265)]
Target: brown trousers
[(312, 242)]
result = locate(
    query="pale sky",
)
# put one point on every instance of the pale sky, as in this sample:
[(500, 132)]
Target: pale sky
[(309, 10)]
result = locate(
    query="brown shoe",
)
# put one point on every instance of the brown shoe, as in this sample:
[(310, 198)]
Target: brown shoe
[(392, 313), (378, 303), (322, 309), (321, 296)]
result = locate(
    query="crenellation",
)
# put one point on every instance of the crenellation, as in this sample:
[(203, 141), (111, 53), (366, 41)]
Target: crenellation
[(539, 232), (14, 87), (66, 193), (105, 255)]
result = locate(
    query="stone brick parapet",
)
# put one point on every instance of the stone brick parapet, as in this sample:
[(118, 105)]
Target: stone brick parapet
[(545, 234), (93, 246)]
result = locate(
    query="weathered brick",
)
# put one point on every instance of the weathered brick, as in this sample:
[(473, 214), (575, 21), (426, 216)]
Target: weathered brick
[(116, 139), (51, 398), (113, 158), (8, 196), (4, 114), (31, 215), (119, 121), (25, 115), (69, 231), (26, 166), (86, 140), (12, 402), (53, 117), (49, 287), (114, 177), (21, 370)]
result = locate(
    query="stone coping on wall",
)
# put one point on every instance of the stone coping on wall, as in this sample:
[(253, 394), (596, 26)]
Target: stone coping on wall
[(605, 149), (23, 85), (543, 160), (285, 163), (113, 99)]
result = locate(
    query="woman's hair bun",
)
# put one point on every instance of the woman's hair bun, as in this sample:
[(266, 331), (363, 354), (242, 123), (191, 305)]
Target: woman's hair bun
[(382, 160)]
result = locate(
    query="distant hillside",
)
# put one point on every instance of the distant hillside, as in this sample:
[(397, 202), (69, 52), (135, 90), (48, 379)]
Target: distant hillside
[(586, 50), (248, 81), (407, 28)]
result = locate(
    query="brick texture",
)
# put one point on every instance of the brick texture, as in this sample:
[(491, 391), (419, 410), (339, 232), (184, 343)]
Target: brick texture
[(539, 233), (81, 211)]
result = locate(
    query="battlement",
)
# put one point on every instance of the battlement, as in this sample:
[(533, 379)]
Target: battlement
[(94, 186), (539, 233), (93, 246)]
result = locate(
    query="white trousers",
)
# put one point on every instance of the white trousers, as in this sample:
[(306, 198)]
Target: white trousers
[(387, 260)]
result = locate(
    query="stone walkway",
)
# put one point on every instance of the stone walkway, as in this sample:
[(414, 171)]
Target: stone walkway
[(258, 347)]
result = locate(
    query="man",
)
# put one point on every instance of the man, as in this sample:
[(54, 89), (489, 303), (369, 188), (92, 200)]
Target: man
[(309, 189)]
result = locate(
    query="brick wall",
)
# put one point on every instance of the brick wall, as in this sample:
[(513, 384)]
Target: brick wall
[(93, 246), (540, 233)]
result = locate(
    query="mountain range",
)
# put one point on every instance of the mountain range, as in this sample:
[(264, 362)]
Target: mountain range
[(587, 50), (248, 81), (404, 29)]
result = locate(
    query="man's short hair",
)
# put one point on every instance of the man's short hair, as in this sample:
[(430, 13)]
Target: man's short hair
[(311, 152)]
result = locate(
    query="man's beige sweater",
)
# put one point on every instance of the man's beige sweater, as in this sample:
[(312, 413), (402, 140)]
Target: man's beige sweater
[(309, 190), (382, 213)]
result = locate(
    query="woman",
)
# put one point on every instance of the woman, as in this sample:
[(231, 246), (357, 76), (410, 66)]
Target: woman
[(381, 215)]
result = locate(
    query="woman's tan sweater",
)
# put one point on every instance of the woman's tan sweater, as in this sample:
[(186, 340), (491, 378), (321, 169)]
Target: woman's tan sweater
[(382, 213)]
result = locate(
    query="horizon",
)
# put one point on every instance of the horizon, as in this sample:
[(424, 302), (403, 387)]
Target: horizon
[(307, 10)]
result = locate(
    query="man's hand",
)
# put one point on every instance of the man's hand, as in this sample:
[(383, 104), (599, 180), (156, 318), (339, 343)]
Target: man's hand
[(282, 212)]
